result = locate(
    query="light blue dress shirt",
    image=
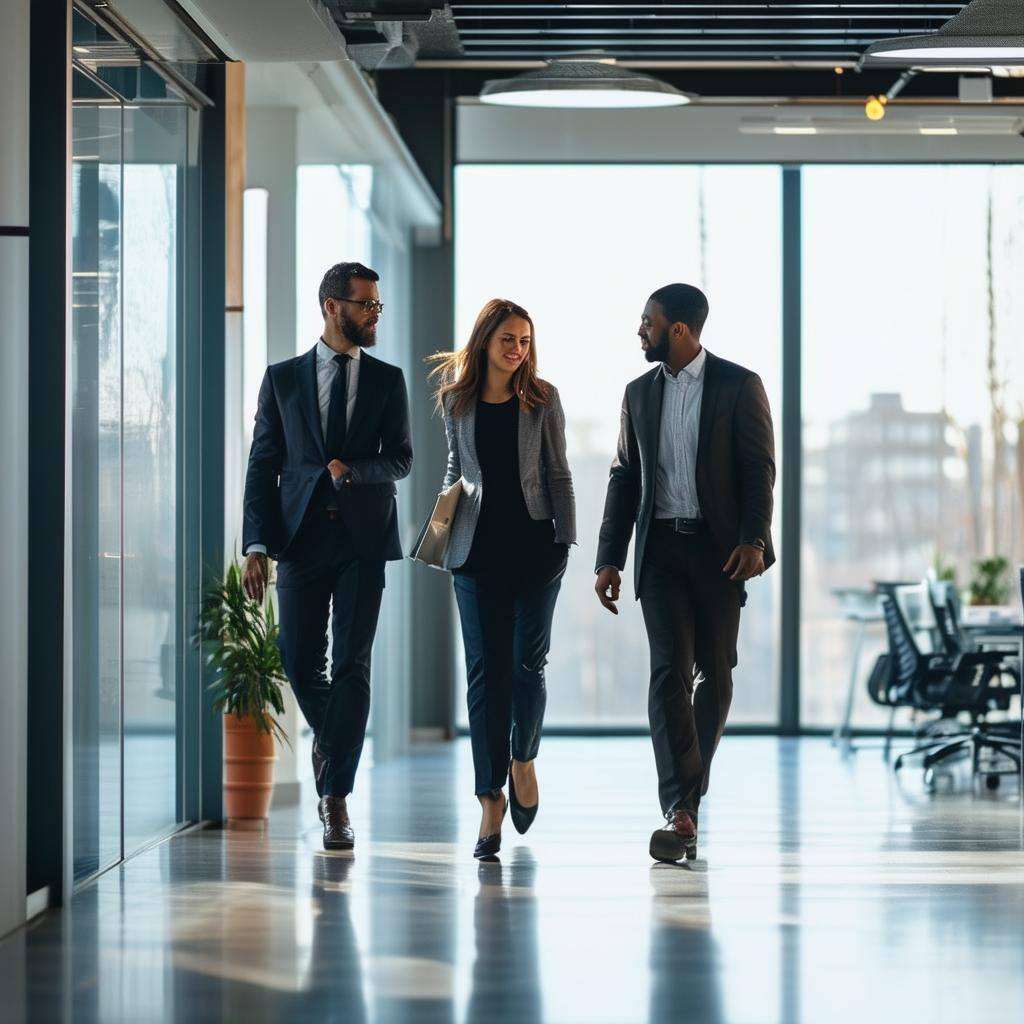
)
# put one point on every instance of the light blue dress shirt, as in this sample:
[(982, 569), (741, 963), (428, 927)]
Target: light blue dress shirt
[(675, 491)]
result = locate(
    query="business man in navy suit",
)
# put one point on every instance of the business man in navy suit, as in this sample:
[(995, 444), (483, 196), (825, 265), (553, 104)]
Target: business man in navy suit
[(330, 440)]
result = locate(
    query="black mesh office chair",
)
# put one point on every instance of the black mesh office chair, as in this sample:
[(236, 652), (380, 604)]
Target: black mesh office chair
[(952, 686), (955, 641)]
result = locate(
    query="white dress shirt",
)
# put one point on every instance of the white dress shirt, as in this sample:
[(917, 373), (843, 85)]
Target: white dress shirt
[(675, 491), (326, 370)]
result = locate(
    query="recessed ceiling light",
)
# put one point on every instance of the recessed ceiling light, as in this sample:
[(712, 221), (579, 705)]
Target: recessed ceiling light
[(984, 33), (795, 129), (938, 131), (582, 83)]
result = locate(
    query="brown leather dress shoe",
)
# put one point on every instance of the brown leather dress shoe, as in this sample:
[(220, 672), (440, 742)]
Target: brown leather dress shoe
[(338, 834), (676, 839)]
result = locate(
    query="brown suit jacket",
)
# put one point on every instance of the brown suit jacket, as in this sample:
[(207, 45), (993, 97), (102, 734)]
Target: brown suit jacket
[(735, 470)]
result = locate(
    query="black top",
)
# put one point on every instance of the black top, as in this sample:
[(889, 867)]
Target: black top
[(507, 541)]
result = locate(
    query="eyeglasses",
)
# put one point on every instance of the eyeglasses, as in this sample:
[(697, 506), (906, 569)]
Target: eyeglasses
[(369, 305)]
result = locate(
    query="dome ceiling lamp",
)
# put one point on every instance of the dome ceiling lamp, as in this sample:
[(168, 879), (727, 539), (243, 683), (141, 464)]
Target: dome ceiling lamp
[(586, 82), (986, 33)]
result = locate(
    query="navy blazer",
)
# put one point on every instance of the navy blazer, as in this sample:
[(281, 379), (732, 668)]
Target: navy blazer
[(288, 458), (735, 471)]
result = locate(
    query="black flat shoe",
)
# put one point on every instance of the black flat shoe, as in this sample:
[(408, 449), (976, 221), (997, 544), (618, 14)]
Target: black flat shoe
[(488, 846), (522, 817)]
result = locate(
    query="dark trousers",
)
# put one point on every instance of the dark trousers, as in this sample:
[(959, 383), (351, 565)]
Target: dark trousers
[(507, 635), (321, 576), (692, 614)]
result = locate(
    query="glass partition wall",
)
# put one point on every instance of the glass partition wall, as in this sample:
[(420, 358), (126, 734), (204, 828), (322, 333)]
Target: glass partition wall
[(134, 144), (912, 392)]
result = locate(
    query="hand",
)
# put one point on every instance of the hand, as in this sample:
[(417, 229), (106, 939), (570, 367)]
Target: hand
[(745, 561), (337, 468), (254, 578), (608, 579)]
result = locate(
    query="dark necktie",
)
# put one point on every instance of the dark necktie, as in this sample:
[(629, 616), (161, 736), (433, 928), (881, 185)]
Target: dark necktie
[(335, 439)]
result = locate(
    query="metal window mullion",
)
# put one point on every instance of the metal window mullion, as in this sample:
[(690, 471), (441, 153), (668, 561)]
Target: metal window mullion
[(120, 459), (791, 448)]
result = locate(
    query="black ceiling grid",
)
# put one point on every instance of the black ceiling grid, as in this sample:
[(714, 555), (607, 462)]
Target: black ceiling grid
[(737, 31), (719, 51)]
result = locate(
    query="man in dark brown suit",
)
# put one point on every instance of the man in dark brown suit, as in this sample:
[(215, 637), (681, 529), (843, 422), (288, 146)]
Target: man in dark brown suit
[(694, 472)]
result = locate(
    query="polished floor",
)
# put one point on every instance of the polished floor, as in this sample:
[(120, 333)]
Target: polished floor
[(825, 891)]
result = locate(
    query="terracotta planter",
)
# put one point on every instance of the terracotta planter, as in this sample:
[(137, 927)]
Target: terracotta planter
[(249, 758)]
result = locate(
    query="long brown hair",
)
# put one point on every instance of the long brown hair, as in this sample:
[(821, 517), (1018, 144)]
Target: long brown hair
[(461, 374)]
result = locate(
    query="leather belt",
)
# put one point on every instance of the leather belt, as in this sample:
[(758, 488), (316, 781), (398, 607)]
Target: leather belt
[(687, 526)]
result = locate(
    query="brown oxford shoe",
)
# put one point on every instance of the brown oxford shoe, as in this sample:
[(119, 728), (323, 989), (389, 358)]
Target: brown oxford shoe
[(676, 839), (338, 834)]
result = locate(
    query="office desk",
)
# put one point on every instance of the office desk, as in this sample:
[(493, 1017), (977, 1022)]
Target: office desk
[(861, 607)]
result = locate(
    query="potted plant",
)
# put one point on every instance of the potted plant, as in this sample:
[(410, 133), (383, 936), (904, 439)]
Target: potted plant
[(239, 641), (988, 582), (945, 572)]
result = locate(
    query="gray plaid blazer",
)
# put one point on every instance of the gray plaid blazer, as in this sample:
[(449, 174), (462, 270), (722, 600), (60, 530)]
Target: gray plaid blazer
[(543, 471)]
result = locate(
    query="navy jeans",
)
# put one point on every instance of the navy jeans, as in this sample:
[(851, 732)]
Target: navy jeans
[(507, 636)]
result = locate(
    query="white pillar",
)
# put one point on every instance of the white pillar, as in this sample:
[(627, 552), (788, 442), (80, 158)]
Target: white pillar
[(14, 171), (272, 163)]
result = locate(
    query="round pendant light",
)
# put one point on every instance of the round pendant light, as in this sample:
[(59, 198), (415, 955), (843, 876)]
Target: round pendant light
[(985, 33), (582, 83)]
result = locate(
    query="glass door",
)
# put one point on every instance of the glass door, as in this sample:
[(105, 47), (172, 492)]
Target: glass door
[(131, 152), (153, 188), (95, 456)]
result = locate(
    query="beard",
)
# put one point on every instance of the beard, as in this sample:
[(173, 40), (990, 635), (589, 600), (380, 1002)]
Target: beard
[(364, 337), (657, 350)]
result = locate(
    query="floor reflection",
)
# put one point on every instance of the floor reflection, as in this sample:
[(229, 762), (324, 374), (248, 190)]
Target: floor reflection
[(685, 969), (506, 978), (336, 982), (824, 878)]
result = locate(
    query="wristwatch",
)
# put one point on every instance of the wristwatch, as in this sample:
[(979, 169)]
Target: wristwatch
[(755, 543)]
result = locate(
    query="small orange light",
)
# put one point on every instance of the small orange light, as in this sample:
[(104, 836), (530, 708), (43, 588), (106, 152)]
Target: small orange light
[(874, 109)]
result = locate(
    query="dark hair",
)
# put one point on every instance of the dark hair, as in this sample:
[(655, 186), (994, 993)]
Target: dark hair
[(683, 304), (335, 284), (460, 374)]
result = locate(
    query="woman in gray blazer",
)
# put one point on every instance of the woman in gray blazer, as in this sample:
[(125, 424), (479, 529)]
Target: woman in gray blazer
[(508, 548)]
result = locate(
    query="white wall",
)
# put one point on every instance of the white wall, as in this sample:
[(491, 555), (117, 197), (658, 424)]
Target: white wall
[(14, 121), (271, 162)]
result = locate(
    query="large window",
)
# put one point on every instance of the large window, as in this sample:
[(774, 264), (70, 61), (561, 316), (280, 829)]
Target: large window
[(582, 248), (913, 396), (332, 226), (134, 158)]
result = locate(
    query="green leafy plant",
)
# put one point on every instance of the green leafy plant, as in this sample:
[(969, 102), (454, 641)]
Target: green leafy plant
[(945, 572), (238, 637), (988, 583)]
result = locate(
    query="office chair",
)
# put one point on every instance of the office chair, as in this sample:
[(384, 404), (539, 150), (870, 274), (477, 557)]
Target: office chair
[(950, 685), (955, 641)]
